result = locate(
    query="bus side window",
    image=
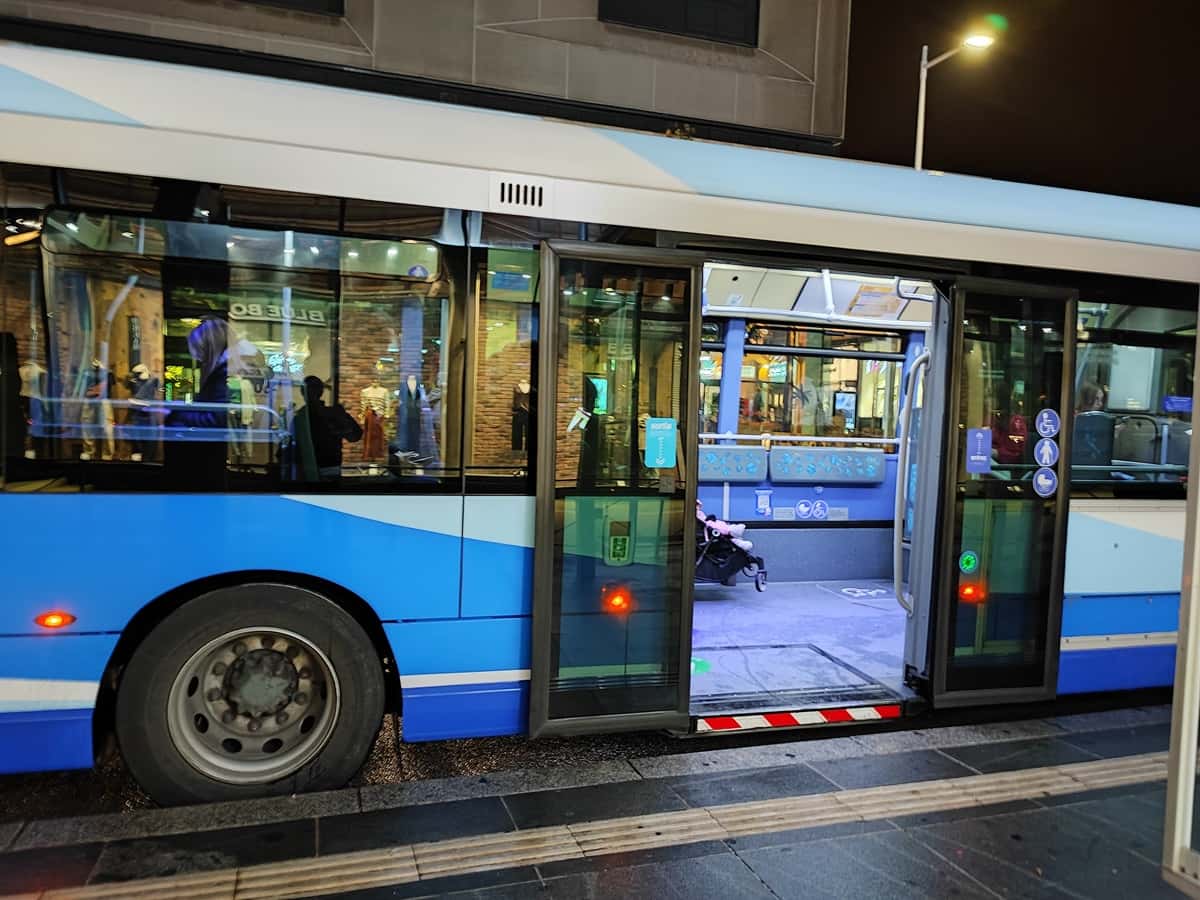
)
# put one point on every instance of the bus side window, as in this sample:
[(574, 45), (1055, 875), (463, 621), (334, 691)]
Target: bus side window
[(504, 406)]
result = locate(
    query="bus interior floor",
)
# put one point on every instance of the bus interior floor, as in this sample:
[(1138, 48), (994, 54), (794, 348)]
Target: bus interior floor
[(797, 645)]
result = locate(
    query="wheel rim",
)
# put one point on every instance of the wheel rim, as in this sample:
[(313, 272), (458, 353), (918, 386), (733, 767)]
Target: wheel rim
[(253, 705)]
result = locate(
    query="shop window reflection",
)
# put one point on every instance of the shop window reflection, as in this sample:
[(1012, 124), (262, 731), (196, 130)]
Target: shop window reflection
[(176, 357)]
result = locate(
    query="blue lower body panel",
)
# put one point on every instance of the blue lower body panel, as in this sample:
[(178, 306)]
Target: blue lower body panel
[(1118, 669), (45, 740), (467, 710)]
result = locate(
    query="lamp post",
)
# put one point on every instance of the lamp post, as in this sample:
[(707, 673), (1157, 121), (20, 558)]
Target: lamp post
[(974, 42)]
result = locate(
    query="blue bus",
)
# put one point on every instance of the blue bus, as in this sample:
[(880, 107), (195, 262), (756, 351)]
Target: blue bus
[(319, 405)]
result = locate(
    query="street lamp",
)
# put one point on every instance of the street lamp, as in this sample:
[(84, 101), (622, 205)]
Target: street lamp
[(978, 41)]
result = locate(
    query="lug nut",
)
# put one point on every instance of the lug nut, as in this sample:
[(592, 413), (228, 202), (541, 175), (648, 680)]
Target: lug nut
[(281, 719), (213, 695), (254, 725), (300, 699), (292, 652), (268, 642), (228, 716), (239, 649), (306, 672), (219, 669)]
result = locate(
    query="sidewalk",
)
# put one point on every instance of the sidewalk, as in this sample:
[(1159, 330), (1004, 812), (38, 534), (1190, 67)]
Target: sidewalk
[(1056, 807)]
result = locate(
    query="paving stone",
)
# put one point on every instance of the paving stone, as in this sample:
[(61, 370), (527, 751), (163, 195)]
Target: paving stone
[(495, 784), (185, 819), (1114, 718), (736, 759), (8, 831)]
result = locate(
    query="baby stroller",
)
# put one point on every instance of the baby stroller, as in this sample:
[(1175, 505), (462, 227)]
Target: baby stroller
[(721, 552)]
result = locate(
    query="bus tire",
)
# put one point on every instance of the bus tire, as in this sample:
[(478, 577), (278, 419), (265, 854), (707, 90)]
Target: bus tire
[(249, 691)]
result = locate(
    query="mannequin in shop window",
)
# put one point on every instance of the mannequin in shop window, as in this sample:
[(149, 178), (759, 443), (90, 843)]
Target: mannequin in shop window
[(197, 461), (33, 388), (373, 412), (414, 442), (589, 426), (143, 388), (97, 414), (521, 415)]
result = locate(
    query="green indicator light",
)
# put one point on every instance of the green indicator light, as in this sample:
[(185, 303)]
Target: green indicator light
[(700, 666), (968, 562)]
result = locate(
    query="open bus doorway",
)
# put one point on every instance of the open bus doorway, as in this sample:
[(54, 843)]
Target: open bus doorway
[(804, 381)]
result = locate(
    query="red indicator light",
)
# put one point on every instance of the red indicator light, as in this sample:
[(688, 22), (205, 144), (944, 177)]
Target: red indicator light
[(54, 619), (971, 593), (617, 600)]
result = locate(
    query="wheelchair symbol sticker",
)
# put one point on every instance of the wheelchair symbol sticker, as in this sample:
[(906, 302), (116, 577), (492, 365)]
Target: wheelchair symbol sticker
[(1047, 423), (1045, 482), (820, 510)]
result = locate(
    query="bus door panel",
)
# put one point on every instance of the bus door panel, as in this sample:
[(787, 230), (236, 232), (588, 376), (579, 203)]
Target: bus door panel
[(615, 513)]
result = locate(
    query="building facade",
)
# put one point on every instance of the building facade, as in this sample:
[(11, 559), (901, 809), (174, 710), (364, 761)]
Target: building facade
[(776, 66)]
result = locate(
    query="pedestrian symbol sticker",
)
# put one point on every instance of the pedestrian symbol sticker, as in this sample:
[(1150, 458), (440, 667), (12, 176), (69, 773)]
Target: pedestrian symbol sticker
[(820, 510), (1046, 452), (1047, 423), (1045, 482)]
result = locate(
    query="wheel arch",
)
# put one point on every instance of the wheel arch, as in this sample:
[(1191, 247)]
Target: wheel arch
[(149, 616)]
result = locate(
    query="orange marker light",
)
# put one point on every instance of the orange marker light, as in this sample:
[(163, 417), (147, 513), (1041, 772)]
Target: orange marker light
[(54, 619), (971, 593), (617, 601)]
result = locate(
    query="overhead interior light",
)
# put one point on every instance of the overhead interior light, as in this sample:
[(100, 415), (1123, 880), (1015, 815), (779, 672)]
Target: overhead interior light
[(353, 254), (71, 226), (392, 251)]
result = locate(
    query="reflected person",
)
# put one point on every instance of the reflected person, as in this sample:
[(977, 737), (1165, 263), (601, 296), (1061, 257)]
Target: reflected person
[(195, 457), (327, 427)]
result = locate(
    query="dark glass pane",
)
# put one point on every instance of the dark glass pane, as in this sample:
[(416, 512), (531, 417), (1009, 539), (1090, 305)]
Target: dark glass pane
[(1006, 495), (770, 334), (620, 563), (205, 357), (1133, 400), (728, 21), (503, 408)]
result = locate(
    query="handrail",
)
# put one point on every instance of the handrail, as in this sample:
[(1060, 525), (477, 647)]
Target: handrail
[(914, 376), (798, 439)]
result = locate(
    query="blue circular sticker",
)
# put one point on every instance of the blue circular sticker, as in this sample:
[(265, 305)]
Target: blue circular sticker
[(820, 510), (1047, 423), (804, 509), (419, 272), (1045, 482), (1045, 452)]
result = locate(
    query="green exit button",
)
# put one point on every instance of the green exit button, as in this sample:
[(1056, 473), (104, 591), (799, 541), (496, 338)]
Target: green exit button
[(968, 562)]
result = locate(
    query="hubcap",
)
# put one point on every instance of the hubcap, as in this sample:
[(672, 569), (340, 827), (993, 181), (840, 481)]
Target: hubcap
[(253, 706)]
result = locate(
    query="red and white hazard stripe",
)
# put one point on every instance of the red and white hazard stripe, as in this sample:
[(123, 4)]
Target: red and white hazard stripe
[(797, 718)]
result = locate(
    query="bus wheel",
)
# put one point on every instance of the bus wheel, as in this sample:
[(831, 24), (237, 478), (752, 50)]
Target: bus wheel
[(249, 691)]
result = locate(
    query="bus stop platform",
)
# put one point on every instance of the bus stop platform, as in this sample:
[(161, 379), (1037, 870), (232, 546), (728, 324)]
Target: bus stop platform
[(1062, 807)]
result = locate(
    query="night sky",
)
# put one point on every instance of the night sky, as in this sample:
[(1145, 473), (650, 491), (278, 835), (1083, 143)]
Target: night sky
[(1099, 95)]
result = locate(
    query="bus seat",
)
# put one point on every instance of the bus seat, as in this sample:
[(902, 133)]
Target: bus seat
[(1092, 440), (1136, 439)]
